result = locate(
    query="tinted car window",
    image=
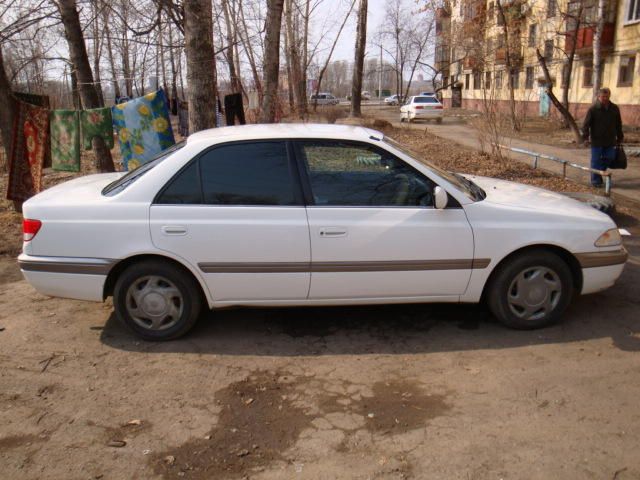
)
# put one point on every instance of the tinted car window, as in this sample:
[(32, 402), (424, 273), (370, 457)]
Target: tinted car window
[(183, 189), (353, 174), (247, 174), (425, 100)]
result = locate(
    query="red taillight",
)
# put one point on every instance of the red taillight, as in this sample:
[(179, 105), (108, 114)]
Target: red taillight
[(30, 228), (419, 107), (439, 107)]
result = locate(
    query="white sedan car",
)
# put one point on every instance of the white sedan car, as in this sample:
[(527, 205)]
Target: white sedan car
[(393, 100), (276, 215), (421, 108)]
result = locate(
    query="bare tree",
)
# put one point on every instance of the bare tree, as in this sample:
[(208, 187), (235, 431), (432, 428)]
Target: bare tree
[(86, 85), (358, 64), (271, 66), (512, 52)]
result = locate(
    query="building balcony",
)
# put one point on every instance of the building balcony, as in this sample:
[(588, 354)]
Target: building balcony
[(584, 39)]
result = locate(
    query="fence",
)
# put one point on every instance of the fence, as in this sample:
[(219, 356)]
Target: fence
[(565, 163)]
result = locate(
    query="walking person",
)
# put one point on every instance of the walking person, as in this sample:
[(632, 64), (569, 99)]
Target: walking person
[(603, 127)]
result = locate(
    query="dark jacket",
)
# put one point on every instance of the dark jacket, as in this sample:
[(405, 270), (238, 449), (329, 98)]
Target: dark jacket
[(603, 125)]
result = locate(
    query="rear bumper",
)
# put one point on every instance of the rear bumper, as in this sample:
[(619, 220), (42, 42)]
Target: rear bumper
[(67, 277), (426, 114)]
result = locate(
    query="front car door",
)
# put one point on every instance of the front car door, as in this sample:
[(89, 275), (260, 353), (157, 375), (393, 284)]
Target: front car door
[(236, 213), (374, 230)]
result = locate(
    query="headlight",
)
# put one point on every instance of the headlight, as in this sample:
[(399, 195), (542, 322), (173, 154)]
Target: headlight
[(610, 238)]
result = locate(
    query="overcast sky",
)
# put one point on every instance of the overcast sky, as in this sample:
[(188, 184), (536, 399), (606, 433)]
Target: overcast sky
[(345, 50)]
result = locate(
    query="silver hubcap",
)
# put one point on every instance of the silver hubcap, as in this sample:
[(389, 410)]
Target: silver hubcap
[(154, 303), (534, 293)]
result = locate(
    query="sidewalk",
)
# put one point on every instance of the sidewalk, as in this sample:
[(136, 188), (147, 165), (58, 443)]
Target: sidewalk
[(626, 183)]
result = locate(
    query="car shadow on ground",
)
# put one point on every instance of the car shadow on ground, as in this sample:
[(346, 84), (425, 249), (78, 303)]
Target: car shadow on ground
[(393, 329)]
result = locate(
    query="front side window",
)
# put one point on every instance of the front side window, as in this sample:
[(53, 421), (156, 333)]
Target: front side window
[(360, 175)]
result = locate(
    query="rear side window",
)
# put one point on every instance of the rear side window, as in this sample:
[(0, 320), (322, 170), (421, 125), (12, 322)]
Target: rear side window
[(248, 174), (183, 189)]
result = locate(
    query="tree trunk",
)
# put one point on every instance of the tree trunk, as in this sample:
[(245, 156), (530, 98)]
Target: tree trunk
[(246, 41), (568, 72), (597, 48), (236, 87), (198, 33), (80, 61), (294, 61), (97, 49), (112, 63), (174, 72), (305, 56), (358, 66), (287, 57), (566, 115), (7, 107), (515, 123), (271, 67)]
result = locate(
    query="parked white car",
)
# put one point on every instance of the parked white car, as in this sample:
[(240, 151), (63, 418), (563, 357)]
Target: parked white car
[(323, 99), (366, 95), (302, 214), (393, 100), (422, 108)]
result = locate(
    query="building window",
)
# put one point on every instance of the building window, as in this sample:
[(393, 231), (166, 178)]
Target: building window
[(514, 79), (625, 73), (548, 50), (528, 83), (587, 79), (532, 34), (552, 6), (452, 81), (565, 76), (498, 79), (487, 80), (477, 80), (633, 11), (466, 81)]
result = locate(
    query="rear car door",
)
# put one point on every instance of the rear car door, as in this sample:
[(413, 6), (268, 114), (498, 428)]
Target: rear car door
[(236, 213), (374, 230)]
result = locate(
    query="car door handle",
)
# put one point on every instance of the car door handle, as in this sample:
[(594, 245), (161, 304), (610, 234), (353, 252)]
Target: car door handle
[(174, 230), (333, 232)]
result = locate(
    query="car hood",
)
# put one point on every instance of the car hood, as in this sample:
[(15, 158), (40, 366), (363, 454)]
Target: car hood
[(512, 194)]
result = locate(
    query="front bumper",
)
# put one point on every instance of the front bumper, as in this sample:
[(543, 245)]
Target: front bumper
[(67, 277), (600, 270)]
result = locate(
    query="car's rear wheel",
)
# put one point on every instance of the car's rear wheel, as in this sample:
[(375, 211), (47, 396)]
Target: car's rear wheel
[(531, 290), (156, 300)]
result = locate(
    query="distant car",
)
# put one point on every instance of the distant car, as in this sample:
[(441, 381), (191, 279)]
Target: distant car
[(309, 215), (421, 108), (393, 100), (323, 99), (366, 95)]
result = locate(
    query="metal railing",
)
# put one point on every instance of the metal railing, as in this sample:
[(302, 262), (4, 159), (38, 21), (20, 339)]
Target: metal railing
[(565, 163)]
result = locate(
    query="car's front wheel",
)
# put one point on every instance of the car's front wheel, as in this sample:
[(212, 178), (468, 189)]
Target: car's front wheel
[(157, 300), (531, 290)]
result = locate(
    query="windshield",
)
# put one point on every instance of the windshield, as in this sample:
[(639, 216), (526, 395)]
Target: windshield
[(463, 184), (123, 182)]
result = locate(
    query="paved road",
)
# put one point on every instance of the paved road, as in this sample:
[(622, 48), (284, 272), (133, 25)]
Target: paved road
[(626, 183)]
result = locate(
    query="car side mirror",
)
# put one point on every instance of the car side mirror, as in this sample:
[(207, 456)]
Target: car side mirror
[(441, 198)]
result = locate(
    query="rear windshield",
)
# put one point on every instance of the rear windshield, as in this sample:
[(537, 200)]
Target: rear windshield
[(425, 100), (123, 182)]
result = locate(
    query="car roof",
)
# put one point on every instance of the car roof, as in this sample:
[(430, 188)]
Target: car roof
[(266, 131)]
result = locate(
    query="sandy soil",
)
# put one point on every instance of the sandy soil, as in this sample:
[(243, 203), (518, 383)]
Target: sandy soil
[(397, 392)]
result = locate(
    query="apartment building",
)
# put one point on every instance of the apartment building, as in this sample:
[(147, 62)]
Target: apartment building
[(482, 46)]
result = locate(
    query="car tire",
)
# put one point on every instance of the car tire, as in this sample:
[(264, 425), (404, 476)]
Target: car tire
[(157, 300), (531, 290)]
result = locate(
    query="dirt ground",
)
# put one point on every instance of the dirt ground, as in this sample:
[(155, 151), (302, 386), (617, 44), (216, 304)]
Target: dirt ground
[(395, 392)]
